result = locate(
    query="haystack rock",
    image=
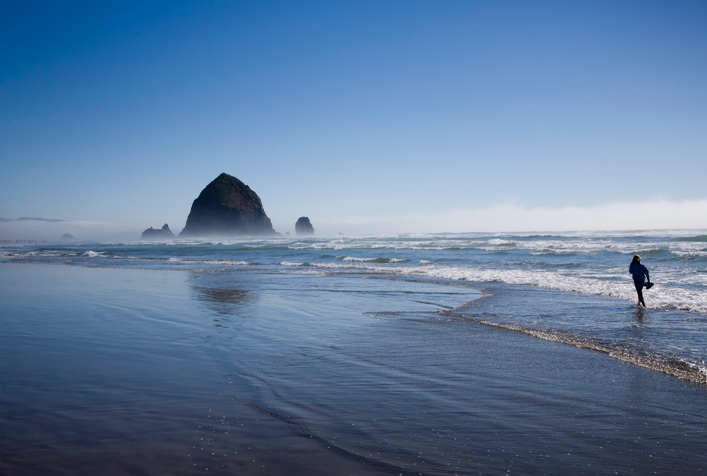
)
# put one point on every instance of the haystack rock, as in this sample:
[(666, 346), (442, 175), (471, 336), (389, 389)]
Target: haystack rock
[(164, 234), (67, 237), (227, 207), (303, 227)]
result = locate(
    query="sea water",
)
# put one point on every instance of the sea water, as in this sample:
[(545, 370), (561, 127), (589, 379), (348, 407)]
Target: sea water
[(405, 354)]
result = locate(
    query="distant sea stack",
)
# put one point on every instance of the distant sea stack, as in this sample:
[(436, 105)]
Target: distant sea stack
[(67, 237), (163, 234), (303, 227), (227, 207)]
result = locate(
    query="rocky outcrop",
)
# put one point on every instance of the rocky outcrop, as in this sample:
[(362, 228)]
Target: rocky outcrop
[(303, 227), (67, 237), (227, 207), (164, 234)]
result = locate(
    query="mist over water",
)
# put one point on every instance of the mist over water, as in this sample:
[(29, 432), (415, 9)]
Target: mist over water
[(52, 231)]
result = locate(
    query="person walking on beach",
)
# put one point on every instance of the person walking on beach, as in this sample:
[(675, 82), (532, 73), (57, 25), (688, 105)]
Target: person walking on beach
[(639, 272)]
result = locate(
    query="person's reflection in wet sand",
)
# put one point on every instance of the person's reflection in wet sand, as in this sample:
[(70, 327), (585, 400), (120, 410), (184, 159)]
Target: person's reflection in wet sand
[(639, 314)]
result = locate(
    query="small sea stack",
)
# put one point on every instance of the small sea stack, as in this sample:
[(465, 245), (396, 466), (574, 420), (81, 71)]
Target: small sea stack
[(67, 237), (161, 234), (303, 227)]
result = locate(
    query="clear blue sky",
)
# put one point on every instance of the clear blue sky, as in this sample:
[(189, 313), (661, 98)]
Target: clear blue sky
[(123, 112)]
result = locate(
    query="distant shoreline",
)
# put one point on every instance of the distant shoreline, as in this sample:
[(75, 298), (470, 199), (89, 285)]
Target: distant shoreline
[(31, 219)]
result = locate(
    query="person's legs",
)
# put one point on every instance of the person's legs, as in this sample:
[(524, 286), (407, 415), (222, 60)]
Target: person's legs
[(639, 289)]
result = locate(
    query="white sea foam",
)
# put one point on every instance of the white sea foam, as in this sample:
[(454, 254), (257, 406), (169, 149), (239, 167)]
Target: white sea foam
[(43, 253), (500, 242), (610, 285), (662, 297), (226, 262), (579, 244), (375, 260), (287, 263), (691, 253), (345, 266)]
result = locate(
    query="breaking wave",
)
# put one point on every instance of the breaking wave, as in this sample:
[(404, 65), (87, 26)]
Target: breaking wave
[(660, 296), (227, 262), (376, 260)]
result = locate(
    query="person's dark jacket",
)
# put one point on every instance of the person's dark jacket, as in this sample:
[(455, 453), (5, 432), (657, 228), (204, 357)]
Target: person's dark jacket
[(638, 271)]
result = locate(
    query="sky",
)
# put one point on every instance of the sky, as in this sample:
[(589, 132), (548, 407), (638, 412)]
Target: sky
[(367, 117)]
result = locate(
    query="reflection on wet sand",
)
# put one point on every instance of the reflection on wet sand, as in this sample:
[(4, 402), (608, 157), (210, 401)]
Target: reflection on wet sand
[(639, 314), (222, 300)]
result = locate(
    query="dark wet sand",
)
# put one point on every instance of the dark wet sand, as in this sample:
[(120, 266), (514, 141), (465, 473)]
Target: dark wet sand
[(125, 441)]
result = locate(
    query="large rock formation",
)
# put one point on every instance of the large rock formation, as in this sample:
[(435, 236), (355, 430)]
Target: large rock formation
[(227, 207), (164, 234), (67, 237), (303, 227)]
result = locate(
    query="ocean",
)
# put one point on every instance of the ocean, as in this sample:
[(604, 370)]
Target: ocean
[(429, 354)]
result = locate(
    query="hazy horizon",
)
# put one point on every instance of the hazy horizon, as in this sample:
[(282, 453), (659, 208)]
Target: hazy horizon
[(504, 218)]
